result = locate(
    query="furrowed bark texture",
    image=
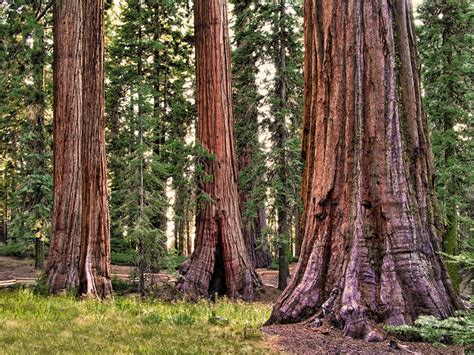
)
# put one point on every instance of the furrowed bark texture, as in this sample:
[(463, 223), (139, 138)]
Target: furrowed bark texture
[(95, 233), (370, 249), (63, 259), (220, 263), (80, 251)]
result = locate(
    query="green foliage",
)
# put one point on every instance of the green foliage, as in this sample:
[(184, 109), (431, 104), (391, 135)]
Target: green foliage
[(121, 287), (25, 124), (284, 121), (123, 258), (18, 249), (267, 125), (446, 50), (41, 287), (149, 112), (457, 330), (172, 260), (41, 324)]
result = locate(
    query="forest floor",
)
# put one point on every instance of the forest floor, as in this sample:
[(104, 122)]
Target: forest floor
[(224, 327)]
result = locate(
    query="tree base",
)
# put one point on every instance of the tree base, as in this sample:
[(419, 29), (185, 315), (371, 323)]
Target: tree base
[(218, 284)]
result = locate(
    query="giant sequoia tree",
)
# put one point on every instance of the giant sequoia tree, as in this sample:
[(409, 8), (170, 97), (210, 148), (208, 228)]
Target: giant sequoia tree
[(220, 263), (80, 251), (370, 249)]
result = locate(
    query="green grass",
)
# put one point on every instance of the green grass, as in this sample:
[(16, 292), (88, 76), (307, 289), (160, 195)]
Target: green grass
[(31, 323)]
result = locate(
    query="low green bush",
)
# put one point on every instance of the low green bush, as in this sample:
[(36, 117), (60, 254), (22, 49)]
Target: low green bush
[(122, 258), (16, 249), (122, 287), (171, 261), (458, 330)]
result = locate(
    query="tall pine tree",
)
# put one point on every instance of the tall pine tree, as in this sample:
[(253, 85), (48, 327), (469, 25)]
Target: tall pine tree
[(446, 49)]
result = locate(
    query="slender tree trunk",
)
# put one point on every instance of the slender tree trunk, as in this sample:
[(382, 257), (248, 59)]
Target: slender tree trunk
[(159, 98), (450, 240), (80, 249), (189, 242), (298, 233), (370, 249), (263, 258), (37, 108), (39, 254), (179, 219), (142, 263), (142, 257), (189, 219), (6, 206), (220, 263), (281, 143)]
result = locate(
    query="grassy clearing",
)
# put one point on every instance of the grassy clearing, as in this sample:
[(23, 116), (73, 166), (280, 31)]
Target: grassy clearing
[(31, 323)]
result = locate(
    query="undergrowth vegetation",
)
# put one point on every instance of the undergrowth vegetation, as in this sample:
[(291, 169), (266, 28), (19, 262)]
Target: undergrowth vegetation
[(41, 324), (458, 330)]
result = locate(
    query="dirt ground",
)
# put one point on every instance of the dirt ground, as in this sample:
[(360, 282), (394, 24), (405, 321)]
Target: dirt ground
[(293, 338), (297, 339), (15, 268)]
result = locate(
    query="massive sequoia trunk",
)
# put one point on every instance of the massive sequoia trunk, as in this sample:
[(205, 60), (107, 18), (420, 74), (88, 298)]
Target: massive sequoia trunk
[(95, 227), (79, 256), (370, 249), (63, 259), (220, 263)]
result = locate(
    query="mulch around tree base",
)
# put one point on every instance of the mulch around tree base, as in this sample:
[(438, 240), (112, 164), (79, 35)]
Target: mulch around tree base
[(298, 339)]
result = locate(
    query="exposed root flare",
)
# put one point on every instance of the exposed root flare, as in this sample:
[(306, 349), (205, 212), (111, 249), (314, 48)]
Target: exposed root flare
[(245, 288)]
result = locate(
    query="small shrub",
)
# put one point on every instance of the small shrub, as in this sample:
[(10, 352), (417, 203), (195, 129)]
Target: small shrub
[(16, 249), (121, 286), (152, 319), (171, 261), (457, 330), (120, 258), (41, 287), (183, 319), (214, 319)]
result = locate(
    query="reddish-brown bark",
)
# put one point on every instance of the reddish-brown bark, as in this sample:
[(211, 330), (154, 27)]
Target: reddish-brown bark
[(370, 249), (220, 263), (79, 256), (95, 233), (63, 259)]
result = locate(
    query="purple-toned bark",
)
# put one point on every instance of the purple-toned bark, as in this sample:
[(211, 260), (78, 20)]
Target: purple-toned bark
[(370, 250)]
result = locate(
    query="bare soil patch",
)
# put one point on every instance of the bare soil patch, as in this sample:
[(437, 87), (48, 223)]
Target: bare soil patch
[(15, 268), (298, 339)]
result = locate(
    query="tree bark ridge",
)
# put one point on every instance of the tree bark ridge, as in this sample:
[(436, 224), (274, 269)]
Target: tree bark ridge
[(220, 263), (370, 249)]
